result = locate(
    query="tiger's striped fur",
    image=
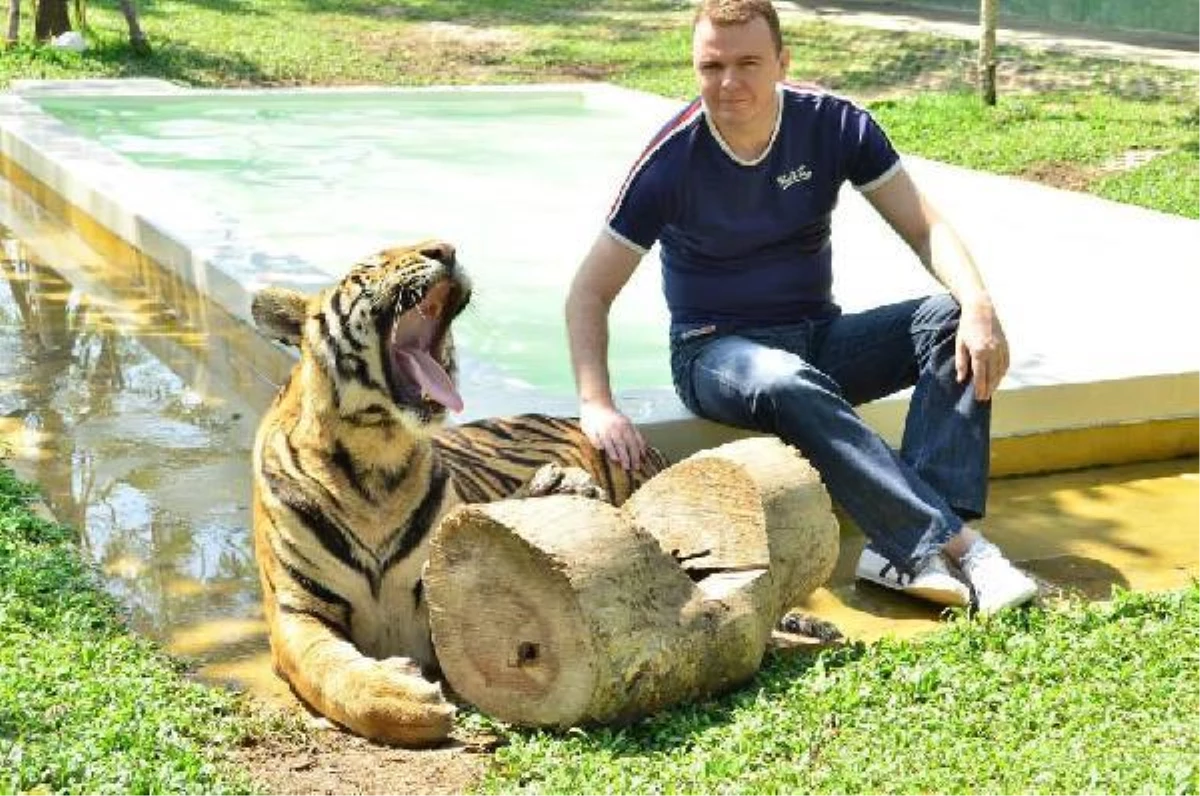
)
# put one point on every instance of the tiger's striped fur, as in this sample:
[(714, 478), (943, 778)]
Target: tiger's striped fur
[(352, 471)]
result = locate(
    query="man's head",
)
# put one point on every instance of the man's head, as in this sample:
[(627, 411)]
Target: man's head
[(738, 55), (741, 12)]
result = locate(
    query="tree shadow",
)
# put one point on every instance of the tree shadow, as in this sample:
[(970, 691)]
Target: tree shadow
[(179, 62)]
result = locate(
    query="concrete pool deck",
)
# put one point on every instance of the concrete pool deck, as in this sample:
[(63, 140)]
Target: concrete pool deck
[(1093, 293)]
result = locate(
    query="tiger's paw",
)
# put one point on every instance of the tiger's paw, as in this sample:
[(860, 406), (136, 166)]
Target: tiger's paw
[(391, 702), (803, 630), (554, 479)]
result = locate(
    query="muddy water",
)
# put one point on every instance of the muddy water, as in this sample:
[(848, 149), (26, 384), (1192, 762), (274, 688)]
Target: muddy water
[(105, 403)]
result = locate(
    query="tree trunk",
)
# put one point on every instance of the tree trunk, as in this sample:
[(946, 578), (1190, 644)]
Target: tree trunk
[(987, 51), (137, 39), (14, 22), (51, 19), (558, 611)]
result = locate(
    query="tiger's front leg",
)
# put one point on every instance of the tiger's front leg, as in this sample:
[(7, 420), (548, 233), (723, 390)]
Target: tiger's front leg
[(384, 700)]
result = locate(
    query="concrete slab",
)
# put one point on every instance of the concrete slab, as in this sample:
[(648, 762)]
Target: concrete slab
[(1093, 293), (1081, 534)]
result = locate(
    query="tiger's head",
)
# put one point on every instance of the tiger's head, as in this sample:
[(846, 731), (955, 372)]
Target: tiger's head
[(380, 337)]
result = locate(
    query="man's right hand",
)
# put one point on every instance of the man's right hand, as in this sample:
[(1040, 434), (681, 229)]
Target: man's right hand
[(613, 433)]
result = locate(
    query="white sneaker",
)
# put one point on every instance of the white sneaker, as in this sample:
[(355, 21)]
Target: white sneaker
[(997, 583), (932, 582)]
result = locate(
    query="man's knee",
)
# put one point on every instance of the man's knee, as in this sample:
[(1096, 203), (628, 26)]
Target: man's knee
[(800, 391)]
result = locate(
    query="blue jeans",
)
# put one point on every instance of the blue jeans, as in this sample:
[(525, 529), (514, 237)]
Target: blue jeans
[(802, 381)]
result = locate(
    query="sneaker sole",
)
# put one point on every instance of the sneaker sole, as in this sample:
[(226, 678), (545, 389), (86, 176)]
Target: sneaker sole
[(1018, 599), (947, 596)]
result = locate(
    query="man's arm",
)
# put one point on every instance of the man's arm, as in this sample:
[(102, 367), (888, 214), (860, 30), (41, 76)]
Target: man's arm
[(981, 347), (601, 275)]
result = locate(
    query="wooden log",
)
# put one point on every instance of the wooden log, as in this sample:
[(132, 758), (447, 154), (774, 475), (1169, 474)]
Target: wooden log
[(558, 611), (802, 532)]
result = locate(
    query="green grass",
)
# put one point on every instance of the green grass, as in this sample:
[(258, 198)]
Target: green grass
[(1062, 118), (86, 707), (1074, 699)]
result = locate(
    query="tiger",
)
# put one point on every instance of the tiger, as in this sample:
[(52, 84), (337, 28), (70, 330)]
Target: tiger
[(354, 466)]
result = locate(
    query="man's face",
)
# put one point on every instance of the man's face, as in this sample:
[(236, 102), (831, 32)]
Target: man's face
[(737, 67)]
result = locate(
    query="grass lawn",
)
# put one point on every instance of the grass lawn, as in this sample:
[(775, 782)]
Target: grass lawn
[(1125, 131), (86, 707), (1079, 699)]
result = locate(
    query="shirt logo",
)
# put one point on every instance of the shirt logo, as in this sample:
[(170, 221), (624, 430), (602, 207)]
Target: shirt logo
[(801, 173)]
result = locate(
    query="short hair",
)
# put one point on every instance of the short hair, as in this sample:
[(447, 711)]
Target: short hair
[(739, 12)]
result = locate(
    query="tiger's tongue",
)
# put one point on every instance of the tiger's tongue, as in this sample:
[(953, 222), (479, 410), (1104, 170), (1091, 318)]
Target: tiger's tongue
[(434, 381)]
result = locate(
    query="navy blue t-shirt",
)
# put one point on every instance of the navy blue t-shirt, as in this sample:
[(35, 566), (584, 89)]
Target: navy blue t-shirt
[(748, 242)]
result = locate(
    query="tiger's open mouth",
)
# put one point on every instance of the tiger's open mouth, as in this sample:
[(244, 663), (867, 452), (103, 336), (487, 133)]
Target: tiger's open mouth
[(417, 374)]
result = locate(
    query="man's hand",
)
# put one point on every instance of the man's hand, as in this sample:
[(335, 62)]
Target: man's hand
[(981, 349), (613, 433)]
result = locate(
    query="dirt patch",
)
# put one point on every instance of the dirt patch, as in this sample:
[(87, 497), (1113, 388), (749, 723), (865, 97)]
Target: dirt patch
[(1069, 176), (452, 52), (1078, 177), (329, 761)]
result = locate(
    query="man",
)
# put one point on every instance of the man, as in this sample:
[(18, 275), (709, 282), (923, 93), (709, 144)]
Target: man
[(738, 189)]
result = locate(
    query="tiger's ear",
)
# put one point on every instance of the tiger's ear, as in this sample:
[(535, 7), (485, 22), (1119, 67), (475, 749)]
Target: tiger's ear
[(279, 313), (439, 250)]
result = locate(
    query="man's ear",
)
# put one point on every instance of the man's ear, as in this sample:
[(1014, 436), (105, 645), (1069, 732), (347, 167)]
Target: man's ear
[(279, 313)]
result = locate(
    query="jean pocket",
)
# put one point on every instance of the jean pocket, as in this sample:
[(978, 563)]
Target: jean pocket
[(683, 354)]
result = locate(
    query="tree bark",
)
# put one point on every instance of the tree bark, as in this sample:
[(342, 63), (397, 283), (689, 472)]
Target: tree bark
[(559, 611), (14, 22), (51, 19), (987, 51), (137, 39)]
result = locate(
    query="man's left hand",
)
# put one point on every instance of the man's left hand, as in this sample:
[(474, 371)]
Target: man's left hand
[(981, 349)]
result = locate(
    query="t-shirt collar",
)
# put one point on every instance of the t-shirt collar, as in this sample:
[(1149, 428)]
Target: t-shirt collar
[(712, 128)]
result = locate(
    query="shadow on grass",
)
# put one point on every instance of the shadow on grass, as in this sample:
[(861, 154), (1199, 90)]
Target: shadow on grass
[(178, 62), (679, 725), (148, 9)]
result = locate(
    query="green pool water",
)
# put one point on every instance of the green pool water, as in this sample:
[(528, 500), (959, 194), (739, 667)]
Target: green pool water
[(519, 180)]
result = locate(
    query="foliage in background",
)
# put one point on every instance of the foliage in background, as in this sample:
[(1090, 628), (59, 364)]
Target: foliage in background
[(86, 707)]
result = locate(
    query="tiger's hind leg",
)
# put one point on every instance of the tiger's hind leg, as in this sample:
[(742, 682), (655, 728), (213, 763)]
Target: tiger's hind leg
[(554, 479)]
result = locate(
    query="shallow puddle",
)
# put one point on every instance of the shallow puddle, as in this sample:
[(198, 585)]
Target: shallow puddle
[(148, 462)]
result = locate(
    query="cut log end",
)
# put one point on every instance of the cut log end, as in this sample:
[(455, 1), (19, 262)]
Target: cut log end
[(506, 624)]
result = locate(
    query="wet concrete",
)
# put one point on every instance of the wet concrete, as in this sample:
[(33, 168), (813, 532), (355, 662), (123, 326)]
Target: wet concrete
[(1079, 533), (132, 414)]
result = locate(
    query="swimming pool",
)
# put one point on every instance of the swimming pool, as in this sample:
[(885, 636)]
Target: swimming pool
[(518, 179), (237, 189)]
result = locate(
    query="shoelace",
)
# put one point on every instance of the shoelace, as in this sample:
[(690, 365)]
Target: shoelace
[(900, 575)]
